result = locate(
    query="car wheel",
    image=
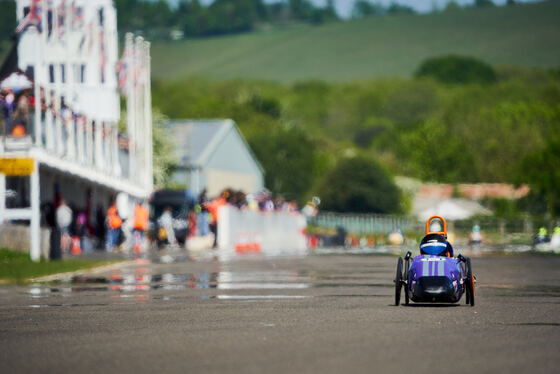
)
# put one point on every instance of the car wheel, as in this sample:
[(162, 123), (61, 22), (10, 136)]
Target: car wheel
[(406, 277), (470, 283), (398, 281)]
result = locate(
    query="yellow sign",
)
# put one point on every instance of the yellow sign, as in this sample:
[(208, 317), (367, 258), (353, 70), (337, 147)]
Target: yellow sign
[(16, 166)]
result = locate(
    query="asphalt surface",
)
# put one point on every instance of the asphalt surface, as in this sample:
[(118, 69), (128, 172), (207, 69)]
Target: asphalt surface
[(315, 314)]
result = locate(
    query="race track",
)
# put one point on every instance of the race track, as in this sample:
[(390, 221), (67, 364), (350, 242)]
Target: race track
[(315, 314)]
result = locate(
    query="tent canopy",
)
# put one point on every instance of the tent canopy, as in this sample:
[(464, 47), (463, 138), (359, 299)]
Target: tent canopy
[(16, 81)]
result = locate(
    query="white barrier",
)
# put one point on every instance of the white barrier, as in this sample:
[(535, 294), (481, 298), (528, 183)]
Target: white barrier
[(269, 233)]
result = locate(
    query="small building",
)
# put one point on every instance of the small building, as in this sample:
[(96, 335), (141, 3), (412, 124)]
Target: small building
[(213, 154)]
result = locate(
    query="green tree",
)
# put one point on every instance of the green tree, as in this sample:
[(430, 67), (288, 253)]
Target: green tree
[(435, 153), (359, 185), (235, 15), (452, 6), (7, 18), (457, 69), (394, 9), (365, 8), (411, 102), (483, 3), (287, 155), (542, 171), (301, 9), (325, 14), (163, 150)]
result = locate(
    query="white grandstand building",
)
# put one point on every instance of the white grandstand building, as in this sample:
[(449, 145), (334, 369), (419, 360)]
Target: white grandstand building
[(72, 146)]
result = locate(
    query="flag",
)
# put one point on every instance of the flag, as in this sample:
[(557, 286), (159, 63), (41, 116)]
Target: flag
[(121, 68), (102, 57), (77, 16), (102, 47), (33, 18), (49, 19), (61, 14)]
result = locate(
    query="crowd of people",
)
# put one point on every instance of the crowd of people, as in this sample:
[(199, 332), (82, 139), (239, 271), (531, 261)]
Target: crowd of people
[(16, 108), (199, 215), (73, 232), (542, 237), (112, 230)]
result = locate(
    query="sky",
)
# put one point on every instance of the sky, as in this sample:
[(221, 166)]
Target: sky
[(344, 7)]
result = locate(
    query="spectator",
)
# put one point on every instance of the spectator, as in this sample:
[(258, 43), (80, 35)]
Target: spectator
[(49, 213), (114, 223), (475, 237), (191, 223), (20, 117), (80, 232), (213, 208), (100, 230), (252, 203), (203, 214), (63, 222), (139, 226), (165, 221), (8, 104)]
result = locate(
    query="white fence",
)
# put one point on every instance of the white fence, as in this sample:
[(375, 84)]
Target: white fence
[(269, 233), (362, 223)]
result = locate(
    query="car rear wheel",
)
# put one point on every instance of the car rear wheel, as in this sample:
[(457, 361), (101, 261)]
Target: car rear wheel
[(469, 282), (398, 281), (406, 277)]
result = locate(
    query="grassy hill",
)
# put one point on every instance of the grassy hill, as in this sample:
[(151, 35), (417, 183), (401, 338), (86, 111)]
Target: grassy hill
[(525, 35)]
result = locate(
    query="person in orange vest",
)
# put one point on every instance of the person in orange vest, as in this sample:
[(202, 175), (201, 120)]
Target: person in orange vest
[(139, 226), (213, 208), (114, 223), (20, 117)]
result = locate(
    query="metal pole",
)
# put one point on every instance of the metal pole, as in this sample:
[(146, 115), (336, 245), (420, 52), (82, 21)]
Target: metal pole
[(98, 146), (49, 119), (148, 118), (139, 116), (80, 138), (89, 141), (70, 73), (130, 102), (35, 214), (2, 197), (37, 92)]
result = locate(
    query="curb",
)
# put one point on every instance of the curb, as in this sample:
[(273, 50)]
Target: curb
[(94, 270)]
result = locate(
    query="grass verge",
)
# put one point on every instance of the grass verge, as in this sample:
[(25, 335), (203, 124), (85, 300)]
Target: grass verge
[(16, 267)]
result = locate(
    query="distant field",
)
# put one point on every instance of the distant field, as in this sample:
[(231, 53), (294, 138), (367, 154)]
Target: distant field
[(527, 35)]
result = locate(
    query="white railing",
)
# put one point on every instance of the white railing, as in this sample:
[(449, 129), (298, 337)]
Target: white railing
[(74, 139)]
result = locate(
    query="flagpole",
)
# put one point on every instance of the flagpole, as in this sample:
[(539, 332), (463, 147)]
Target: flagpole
[(138, 126), (57, 86), (148, 117), (130, 103), (37, 90), (71, 141)]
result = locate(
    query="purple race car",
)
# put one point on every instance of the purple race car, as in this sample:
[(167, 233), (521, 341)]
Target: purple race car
[(435, 275)]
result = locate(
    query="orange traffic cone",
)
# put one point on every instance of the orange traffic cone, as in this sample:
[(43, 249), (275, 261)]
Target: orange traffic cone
[(76, 248)]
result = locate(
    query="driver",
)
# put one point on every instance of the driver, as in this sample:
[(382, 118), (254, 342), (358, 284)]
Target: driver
[(436, 245)]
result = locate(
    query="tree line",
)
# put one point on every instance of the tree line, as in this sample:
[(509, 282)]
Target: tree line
[(479, 124), (157, 19), (220, 17)]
